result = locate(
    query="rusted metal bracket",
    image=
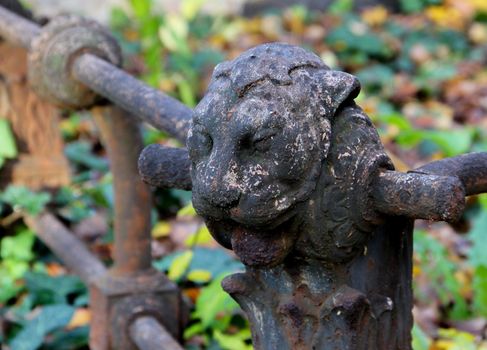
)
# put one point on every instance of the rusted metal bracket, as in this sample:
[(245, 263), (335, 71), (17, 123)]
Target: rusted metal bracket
[(290, 173)]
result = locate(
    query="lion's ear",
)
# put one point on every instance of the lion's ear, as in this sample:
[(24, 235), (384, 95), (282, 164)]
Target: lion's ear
[(337, 87)]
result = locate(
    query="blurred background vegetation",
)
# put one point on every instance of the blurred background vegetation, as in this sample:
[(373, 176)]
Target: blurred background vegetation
[(424, 77)]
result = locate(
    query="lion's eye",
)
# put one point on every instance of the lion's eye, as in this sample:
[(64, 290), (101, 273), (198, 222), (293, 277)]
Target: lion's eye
[(199, 143)]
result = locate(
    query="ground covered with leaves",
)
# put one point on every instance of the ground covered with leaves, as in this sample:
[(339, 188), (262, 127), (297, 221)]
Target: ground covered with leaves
[(424, 86)]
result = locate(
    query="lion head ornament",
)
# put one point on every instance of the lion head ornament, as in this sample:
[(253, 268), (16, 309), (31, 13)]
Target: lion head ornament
[(280, 154)]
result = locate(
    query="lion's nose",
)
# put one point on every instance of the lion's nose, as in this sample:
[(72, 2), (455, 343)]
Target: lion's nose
[(222, 189), (224, 199)]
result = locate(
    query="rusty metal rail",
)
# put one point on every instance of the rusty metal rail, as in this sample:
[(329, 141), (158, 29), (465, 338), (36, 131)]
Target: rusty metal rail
[(148, 334), (147, 104), (67, 247)]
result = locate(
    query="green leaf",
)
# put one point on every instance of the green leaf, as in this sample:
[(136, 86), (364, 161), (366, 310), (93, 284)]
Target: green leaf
[(180, 265), (478, 259), (433, 258), (193, 330), (230, 342), (18, 247), (174, 34), (8, 149), (21, 198), (395, 119), (15, 268), (458, 340), (8, 286), (141, 8), (420, 340), (49, 319), (52, 290), (185, 89), (376, 75), (212, 301), (215, 261), (410, 6), (479, 286), (80, 152), (339, 7), (478, 256), (451, 142)]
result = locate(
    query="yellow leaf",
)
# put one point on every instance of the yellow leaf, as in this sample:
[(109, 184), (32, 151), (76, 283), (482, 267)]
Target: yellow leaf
[(479, 5), (190, 8), (478, 33), (416, 271), (442, 345), (199, 276), (444, 16), (179, 265), (81, 317), (200, 237), (174, 33), (161, 229), (187, 211), (375, 16)]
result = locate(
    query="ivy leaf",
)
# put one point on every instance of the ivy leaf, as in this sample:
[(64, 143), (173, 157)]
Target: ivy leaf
[(46, 289), (212, 301), (479, 285), (21, 198), (231, 342), (50, 318), (477, 236), (80, 152), (18, 247), (215, 261), (8, 287)]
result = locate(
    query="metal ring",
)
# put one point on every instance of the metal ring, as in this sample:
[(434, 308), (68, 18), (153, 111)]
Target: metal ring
[(52, 53)]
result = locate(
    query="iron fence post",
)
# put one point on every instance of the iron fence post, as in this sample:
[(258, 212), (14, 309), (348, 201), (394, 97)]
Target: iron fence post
[(290, 174), (131, 288)]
